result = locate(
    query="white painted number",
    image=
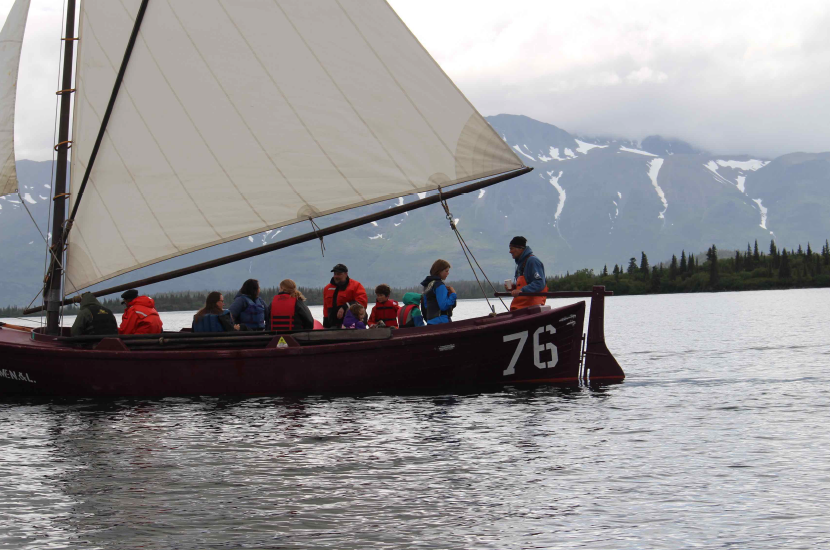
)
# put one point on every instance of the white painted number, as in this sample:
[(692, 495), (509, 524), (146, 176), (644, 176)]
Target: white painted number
[(522, 337), (539, 348)]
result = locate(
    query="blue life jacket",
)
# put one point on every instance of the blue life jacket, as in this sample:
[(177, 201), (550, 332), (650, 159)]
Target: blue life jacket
[(253, 316), (431, 308), (210, 323)]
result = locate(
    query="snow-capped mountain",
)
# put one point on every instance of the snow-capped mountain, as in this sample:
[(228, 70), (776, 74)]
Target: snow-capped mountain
[(589, 201)]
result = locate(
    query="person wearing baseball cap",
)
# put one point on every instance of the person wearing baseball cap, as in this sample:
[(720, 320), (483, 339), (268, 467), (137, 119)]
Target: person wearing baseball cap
[(339, 294), (141, 316), (529, 276)]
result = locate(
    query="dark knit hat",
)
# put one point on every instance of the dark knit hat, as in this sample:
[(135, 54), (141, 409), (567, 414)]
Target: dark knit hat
[(129, 296), (518, 242), (340, 268)]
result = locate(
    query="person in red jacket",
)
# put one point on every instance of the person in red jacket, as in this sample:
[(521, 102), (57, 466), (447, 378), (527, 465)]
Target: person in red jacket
[(339, 294), (386, 309), (141, 316)]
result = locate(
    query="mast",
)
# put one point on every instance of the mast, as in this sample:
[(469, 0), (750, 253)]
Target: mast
[(52, 286)]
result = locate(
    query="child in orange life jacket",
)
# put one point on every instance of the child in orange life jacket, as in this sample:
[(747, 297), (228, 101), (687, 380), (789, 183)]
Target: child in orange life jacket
[(385, 310), (354, 317)]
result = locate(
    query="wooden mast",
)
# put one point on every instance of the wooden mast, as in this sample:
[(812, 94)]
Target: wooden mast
[(52, 286)]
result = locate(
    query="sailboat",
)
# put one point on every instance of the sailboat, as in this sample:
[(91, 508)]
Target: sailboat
[(197, 123)]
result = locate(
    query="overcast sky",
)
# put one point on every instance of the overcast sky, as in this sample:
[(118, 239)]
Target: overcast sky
[(728, 76)]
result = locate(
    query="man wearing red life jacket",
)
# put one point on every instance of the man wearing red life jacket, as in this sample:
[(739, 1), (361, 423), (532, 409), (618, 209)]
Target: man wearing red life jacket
[(339, 294), (140, 317), (530, 275)]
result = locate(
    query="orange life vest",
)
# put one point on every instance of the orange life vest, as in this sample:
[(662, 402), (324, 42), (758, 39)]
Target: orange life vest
[(521, 302), (282, 312)]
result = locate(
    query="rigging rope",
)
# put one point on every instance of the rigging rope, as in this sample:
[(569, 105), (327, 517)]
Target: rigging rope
[(466, 249), (316, 229)]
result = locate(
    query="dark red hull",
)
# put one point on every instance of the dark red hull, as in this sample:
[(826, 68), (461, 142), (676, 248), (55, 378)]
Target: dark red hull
[(536, 345)]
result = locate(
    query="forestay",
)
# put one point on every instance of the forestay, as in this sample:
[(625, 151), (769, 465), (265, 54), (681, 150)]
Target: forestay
[(237, 117), (11, 40)]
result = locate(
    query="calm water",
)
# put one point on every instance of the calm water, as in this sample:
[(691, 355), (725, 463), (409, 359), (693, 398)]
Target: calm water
[(717, 439)]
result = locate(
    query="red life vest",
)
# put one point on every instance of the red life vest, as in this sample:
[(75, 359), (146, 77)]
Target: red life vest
[(403, 314), (386, 312), (282, 312)]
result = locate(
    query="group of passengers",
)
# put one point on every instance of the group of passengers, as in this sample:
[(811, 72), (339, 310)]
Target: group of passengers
[(344, 304)]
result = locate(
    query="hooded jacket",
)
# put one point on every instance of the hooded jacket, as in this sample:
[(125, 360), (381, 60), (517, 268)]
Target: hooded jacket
[(409, 315), (341, 296), (140, 317), (93, 318), (533, 270)]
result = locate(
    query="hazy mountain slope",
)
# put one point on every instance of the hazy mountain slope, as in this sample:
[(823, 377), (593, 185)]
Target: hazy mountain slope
[(588, 202)]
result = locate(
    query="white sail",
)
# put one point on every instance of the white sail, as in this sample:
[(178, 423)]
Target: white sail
[(237, 116), (11, 40)]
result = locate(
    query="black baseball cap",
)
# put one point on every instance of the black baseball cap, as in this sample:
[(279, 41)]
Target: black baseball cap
[(129, 296), (518, 242), (340, 268)]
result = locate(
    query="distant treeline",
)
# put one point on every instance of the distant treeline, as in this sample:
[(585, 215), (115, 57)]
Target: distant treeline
[(191, 301), (749, 270), (746, 270)]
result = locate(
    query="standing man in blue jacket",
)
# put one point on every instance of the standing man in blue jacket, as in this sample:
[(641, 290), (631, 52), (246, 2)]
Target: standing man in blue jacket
[(529, 277)]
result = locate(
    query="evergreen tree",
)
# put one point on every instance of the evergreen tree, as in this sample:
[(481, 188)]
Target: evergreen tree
[(673, 268), (784, 271), (755, 256), (773, 252), (748, 258), (800, 252), (644, 266), (632, 266), (826, 252), (655, 280), (616, 269), (712, 256), (809, 251), (605, 271), (683, 266), (737, 261), (691, 264), (617, 272)]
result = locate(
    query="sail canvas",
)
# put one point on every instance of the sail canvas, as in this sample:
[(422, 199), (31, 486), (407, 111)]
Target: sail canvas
[(237, 116), (11, 41)]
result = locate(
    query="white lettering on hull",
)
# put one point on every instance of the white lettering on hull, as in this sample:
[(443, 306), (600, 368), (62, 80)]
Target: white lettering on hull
[(16, 375)]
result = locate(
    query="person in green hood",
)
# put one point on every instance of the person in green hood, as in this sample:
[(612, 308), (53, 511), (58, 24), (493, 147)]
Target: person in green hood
[(409, 315), (93, 318)]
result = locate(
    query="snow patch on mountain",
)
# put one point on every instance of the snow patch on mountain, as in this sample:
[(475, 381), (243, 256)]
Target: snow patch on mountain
[(713, 167), (654, 169), (751, 165), (456, 220), (637, 151), (421, 195), (554, 180), (400, 201), (519, 150), (763, 213), (569, 153), (28, 198), (378, 236), (375, 224), (251, 239), (740, 184), (585, 147), (481, 193), (554, 153)]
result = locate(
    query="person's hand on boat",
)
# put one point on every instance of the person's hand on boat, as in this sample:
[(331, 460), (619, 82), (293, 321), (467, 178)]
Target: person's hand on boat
[(515, 292), (236, 327), (340, 313)]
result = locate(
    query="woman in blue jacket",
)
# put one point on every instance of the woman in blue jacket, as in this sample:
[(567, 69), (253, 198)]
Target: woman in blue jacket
[(214, 317), (248, 308), (439, 299)]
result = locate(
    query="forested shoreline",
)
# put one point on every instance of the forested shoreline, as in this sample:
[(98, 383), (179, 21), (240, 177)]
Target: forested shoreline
[(713, 272)]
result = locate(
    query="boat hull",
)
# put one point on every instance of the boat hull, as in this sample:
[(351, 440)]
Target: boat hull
[(536, 345)]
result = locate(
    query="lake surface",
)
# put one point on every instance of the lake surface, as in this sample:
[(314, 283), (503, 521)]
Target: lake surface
[(718, 438)]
